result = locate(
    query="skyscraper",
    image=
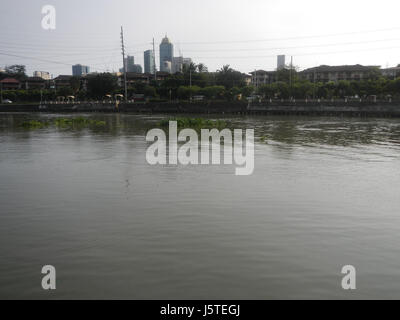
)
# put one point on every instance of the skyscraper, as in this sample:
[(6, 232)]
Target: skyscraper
[(281, 62), (149, 61), (130, 62), (80, 70), (166, 54)]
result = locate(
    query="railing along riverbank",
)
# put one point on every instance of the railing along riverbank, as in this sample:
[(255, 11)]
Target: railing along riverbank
[(359, 107)]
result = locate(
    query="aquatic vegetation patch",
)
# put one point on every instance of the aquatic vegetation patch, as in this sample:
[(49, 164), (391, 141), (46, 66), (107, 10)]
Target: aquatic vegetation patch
[(68, 123), (34, 124), (77, 122), (195, 123)]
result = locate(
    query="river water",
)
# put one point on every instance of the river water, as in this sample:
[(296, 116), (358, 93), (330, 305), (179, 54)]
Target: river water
[(324, 194)]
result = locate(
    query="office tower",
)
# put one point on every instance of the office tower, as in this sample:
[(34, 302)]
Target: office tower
[(80, 70), (149, 62), (281, 62), (130, 63), (166, 54)]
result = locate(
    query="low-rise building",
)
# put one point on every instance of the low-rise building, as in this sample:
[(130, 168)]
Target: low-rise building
[(133, 77), (247, 79), (10, 84), (391, 73), (63, 81), (261, 77), (326, 73), (32, 83)]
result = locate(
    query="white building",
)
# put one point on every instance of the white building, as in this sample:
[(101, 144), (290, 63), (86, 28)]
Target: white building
[(167, 66), (42, 74), (179, 62)]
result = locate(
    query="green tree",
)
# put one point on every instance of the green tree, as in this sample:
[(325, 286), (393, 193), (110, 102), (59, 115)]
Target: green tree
[(229, 77), (17, 71), (185, 92), (149, 91), (101, 84), (201, 67), (213, 92)]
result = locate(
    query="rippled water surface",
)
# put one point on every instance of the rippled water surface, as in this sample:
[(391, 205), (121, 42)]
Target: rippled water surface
[(324, 194)]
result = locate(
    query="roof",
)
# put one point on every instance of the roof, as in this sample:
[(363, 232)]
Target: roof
[(35, 79), (10, 80), (63, 77), (134, 75), (392, 68), (165, 40), (163, 74), (262, 72), (343, 68)]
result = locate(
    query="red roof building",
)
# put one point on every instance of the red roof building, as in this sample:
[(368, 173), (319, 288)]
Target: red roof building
[(10, 84)]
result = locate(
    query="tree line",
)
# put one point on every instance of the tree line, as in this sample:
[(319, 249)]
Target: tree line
[(225, 84)]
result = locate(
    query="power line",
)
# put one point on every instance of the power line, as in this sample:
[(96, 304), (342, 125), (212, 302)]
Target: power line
[(293, 37), (300, 47)]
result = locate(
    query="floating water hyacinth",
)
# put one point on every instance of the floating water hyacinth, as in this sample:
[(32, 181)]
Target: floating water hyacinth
[(195, 123), (78, 122), (34, 124)]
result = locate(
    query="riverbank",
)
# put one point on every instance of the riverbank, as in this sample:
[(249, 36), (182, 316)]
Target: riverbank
[(325, 108)]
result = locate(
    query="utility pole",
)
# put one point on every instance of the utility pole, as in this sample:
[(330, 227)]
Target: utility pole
[(190, 82), (314, 76), (154, 62), (290, 76), (255, 81), (124, 63)]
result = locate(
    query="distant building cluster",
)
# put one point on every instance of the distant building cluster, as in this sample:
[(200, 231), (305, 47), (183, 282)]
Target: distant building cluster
[(168, 62)]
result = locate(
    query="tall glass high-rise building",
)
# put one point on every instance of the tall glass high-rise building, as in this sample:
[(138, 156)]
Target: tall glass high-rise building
[(149, 62), (130, 63), (166, 54), (80, 70), (281, 62)]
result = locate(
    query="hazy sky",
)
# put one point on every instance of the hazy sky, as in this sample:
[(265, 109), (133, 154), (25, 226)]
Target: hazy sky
[(244, 34)]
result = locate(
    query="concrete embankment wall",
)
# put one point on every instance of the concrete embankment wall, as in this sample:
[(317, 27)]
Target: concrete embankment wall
[(379, 109)]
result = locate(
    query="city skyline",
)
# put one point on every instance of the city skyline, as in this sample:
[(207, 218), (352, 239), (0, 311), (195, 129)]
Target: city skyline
[(266, 29)]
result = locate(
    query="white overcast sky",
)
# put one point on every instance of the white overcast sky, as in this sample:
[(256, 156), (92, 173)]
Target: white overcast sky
[(244, 34)]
